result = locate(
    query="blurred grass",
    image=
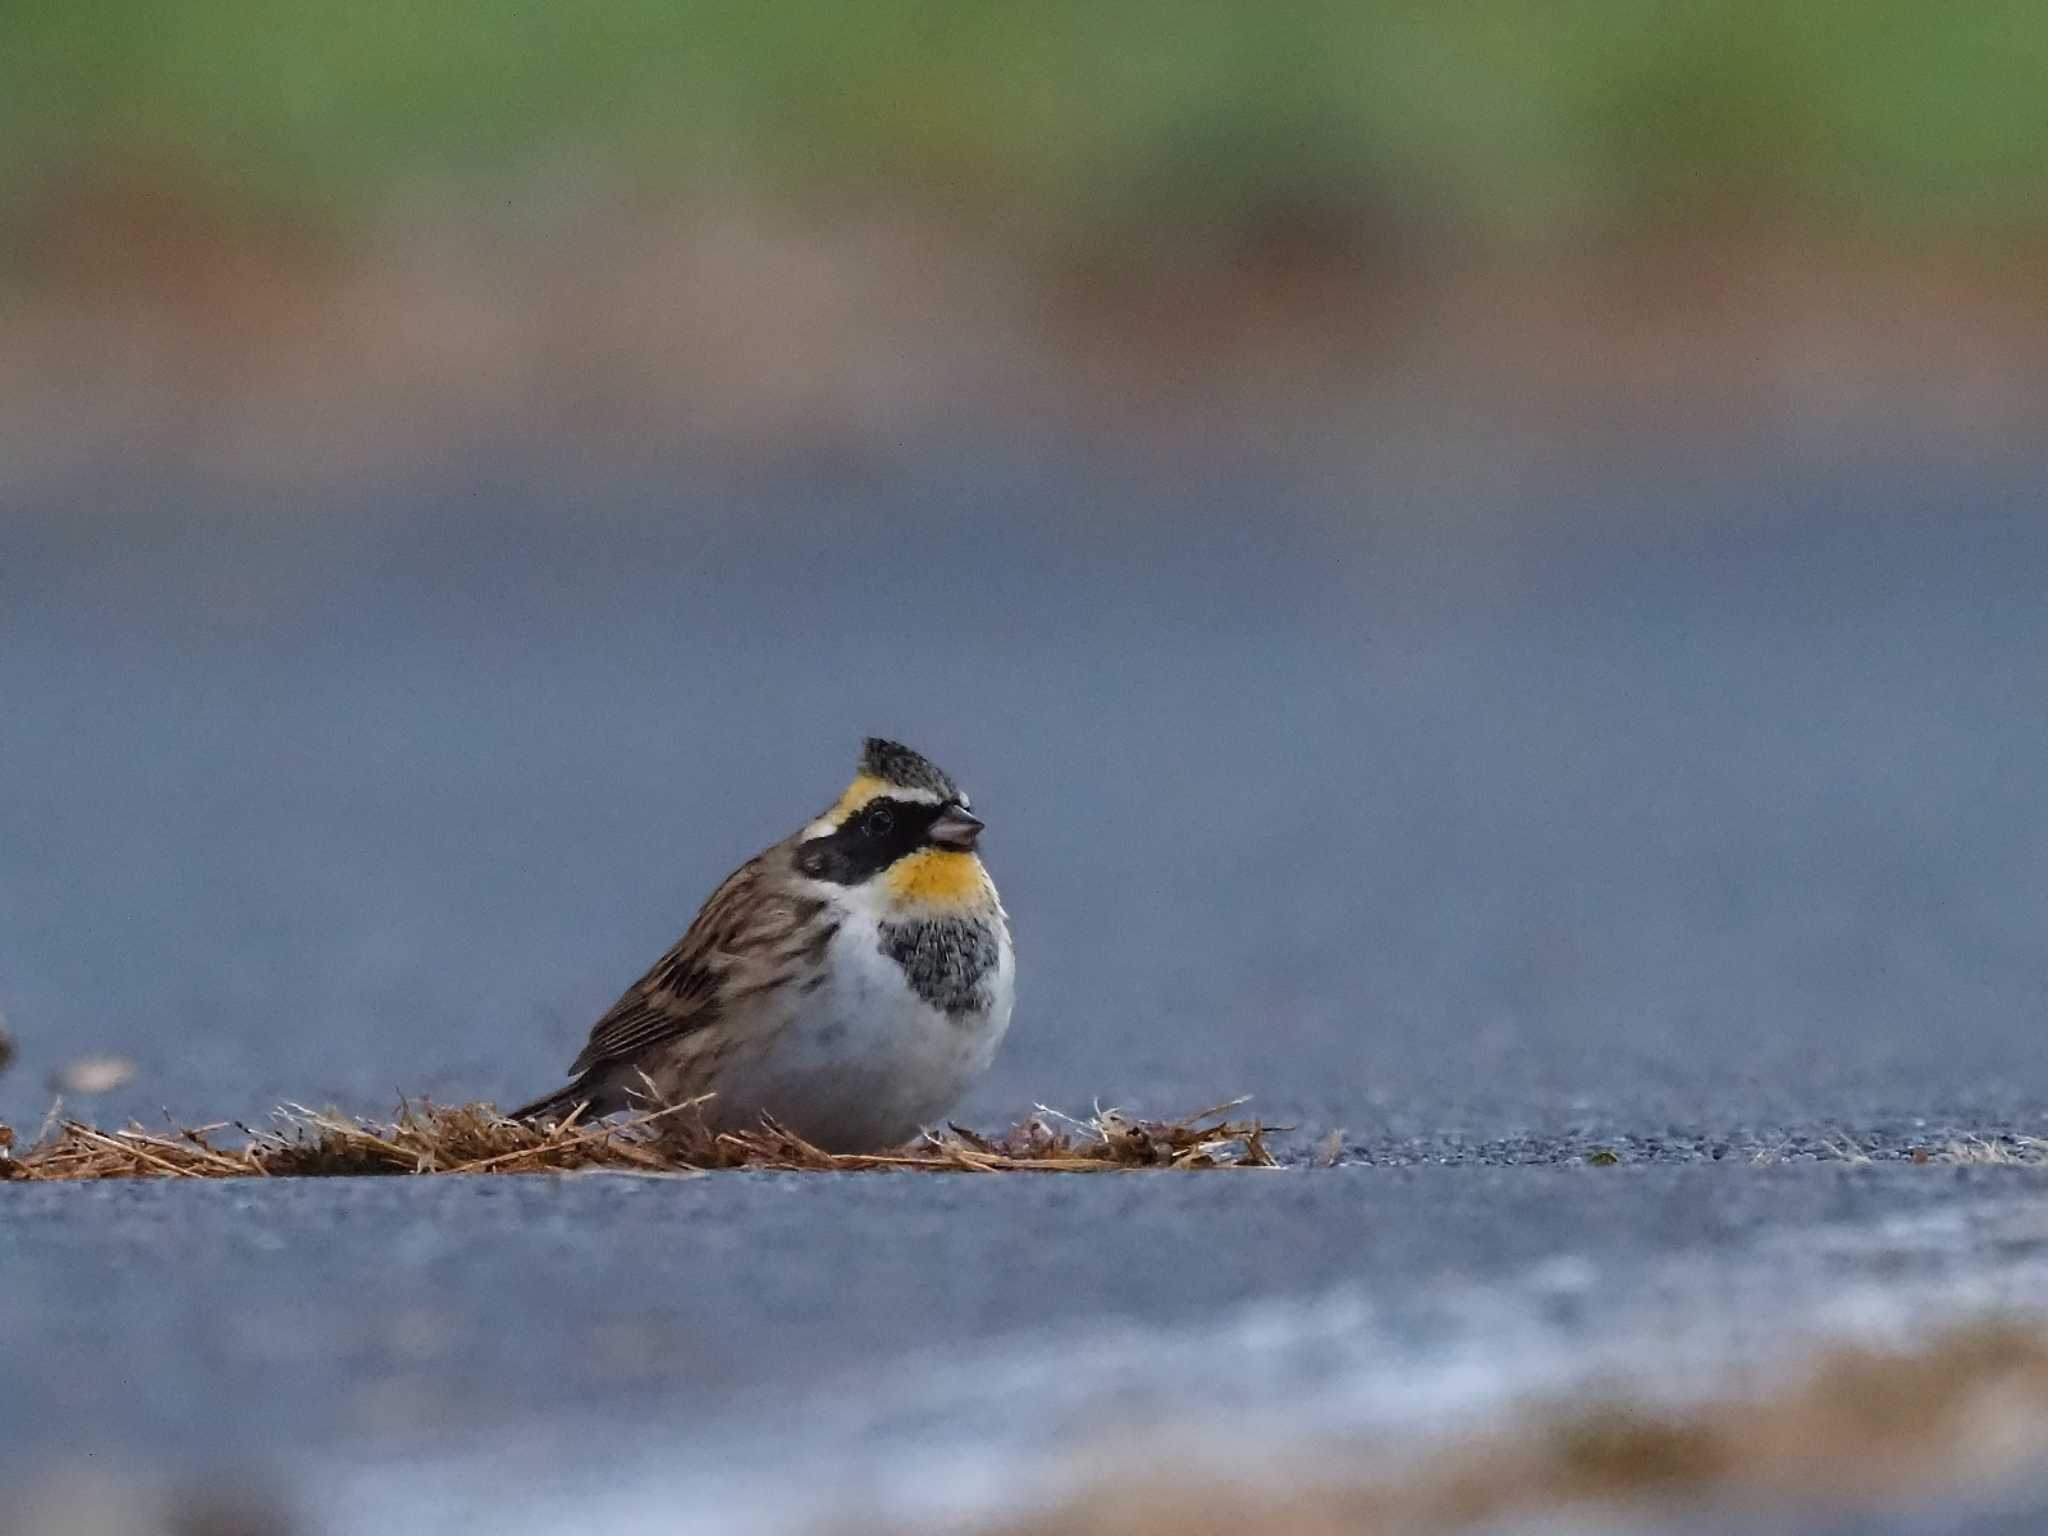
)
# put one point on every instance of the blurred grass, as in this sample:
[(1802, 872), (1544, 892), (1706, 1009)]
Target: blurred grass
[(1062, 121)]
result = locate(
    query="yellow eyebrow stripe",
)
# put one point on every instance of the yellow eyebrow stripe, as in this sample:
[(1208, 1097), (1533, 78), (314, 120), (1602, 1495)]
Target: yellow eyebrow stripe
[(858, 794)]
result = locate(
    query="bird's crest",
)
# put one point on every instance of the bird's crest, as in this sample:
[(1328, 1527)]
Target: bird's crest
[(900, 768)]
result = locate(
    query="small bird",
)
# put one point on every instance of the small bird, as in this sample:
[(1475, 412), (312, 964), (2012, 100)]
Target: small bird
[(852, 982)]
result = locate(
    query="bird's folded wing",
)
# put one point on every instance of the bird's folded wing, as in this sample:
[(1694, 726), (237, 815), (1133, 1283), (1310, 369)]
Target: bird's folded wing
[(740, 945)]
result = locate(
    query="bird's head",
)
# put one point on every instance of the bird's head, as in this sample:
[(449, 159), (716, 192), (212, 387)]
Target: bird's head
[(902, 828)]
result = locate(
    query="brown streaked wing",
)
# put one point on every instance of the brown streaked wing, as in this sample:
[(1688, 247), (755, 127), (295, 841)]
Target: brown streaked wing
[(681, 990)]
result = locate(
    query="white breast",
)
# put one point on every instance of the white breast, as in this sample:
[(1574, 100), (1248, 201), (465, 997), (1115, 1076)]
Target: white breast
[(864, 1062)]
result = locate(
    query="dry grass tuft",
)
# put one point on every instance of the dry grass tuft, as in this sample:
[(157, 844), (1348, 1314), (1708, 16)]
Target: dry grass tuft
[(2000, 1151), (1861, 1429), (475, 1138)]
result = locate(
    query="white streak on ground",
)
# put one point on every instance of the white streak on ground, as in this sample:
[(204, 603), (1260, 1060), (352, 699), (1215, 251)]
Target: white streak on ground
[(1013, 1426)]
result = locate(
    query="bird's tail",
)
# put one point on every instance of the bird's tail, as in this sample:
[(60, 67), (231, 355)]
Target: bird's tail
[(559, 1105)]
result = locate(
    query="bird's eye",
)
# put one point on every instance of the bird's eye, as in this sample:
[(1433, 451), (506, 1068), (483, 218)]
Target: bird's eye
[(878, 823)]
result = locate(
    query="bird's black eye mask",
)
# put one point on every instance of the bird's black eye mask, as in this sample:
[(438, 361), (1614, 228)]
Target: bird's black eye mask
[(868, 841)]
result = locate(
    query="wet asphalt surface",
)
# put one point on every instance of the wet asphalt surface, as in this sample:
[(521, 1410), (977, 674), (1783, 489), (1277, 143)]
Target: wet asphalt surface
[(1682, 812), (508, 1351), (606, 1293)]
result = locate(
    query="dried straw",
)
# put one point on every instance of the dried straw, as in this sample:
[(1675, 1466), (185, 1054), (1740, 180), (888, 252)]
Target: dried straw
[(475, 1138)]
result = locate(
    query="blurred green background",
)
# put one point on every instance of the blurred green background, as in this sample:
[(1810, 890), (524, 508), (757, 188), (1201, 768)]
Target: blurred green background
[(1508, 121), (1251, 188)]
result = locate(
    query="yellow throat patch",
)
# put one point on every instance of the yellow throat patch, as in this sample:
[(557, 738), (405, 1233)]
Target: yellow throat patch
[(937, 878)]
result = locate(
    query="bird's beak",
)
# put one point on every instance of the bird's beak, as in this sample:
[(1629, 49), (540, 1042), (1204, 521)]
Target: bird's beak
[(957, 827)]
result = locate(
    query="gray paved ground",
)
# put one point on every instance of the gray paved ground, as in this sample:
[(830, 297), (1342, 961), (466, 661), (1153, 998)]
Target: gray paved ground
[(471, 1300), (1687, 812), (522, 1346), (1692, 798)]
